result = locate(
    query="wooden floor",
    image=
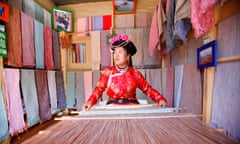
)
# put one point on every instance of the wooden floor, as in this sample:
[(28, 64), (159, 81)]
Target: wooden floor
[(125, 129)]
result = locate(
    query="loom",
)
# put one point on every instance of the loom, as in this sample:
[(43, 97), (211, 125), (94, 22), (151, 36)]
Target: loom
[(148, 124)]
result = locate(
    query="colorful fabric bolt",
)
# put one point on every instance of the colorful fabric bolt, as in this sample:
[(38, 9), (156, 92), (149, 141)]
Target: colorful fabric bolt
[(48, 51), (56, 50), (61, 98), (107, 22), (39, 13), (97, 23), (80, 91), (71, 89), (28, 7), (52, 88), (3, 118)]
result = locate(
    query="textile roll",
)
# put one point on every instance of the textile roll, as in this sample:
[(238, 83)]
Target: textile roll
[(30, 98), (56, 50), (105, 50), (14, 39), (28, 56), (143, 20), (28, 7), (226, 100), (52, 88), (107, 22), (48, 51), (47, 18), (139, 93), (153, 76), (192, 89), (39, 14), (97, 22), (125, 21), (96, 47), (178, 82), (3, 118), (227, 43), (147, 59), (43, 96), (71, 89), (136, 36), (60, 90), (80, 91), (88, 83), (14, 101), (169, 86), (39, 44)]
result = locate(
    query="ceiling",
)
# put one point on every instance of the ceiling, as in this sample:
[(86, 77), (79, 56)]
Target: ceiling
[(66, 2)]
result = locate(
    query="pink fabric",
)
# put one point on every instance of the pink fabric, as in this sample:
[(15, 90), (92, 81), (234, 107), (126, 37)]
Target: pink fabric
[(14, 102), (82, 25), (170, 86), (105, 50), (154, 33), (89, 24), (48, 51), (88, 84), (28, 54), (202, 14), (77, 49)]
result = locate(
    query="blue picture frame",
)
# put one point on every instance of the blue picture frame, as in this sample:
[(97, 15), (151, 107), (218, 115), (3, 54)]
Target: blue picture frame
[(207, 55)]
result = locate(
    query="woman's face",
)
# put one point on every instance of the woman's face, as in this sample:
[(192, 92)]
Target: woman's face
[(121, 57)]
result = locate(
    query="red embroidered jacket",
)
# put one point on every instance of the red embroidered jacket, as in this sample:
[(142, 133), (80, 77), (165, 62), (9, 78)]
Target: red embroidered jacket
[(123, 85)]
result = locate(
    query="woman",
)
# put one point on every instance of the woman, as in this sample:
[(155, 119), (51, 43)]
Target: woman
[(122, 80)]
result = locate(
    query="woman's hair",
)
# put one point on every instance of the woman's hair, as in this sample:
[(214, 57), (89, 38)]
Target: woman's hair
[(128, 46)]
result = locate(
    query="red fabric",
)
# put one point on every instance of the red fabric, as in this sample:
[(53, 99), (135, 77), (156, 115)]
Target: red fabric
[(123, 85), (107, 22), (14, 42), (27, 40), (154, 33), (48, 51)]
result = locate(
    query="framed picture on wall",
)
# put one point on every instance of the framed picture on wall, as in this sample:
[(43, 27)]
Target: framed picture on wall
[(207, 55), (62, 20), (4, 12), (124, 6)]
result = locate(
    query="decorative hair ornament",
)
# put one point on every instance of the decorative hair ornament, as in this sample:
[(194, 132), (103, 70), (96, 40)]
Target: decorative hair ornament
[(119, 37)]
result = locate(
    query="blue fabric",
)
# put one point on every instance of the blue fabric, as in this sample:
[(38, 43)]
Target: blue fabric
[(3, 118), (60, 90), (39, 44), (71, 89), (52, 88), (97, 23), (178, 85), (29, 92)]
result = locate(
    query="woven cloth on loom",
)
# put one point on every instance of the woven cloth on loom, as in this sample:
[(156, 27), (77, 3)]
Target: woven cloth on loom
[(39, 44), (28, 7), (43, 95), (14, 101), (52, 88), (28, 56), (80, 91), (48, 51), (105, 50), (30, 98), (47, 18), (107, 22), (96, 47), (178, 81), (60, 90), (192, 89), (136, 36), (56, 50), (3, 118), (226, 100), (187, 130), (71, 89), (228, 36), (97, 23), (125, 21), (88, 83), (39, 14), (14, 41), (154, 78)]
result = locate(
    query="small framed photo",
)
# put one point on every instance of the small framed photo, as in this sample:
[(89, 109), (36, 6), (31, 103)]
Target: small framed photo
[(62, 20), (124, 6), (4, 12), (207, 55)]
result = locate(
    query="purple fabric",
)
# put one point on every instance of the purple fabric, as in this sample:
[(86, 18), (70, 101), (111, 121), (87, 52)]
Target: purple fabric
[(181, 29), (14, 102), (56, 50), (61, 98), (97, 23), (105, 50), (43, 95), (28, 55), (80, 91)]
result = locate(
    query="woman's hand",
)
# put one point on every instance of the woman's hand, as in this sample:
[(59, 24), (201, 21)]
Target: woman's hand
[(86, 106), (162, 103)]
